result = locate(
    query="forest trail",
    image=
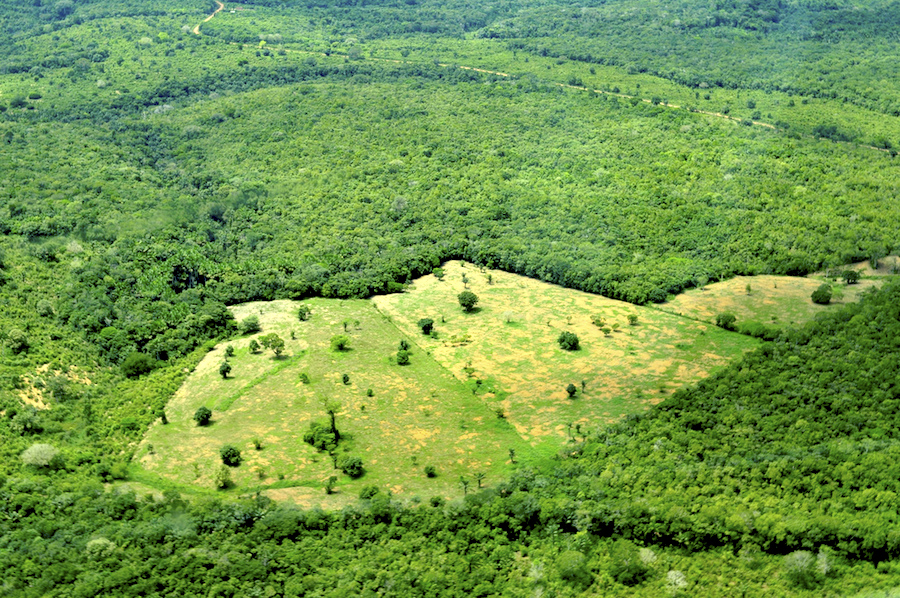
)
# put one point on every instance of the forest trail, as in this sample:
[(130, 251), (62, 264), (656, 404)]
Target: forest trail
[(196, 29)]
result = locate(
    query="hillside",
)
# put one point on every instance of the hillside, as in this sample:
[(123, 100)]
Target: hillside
[(160, 168)]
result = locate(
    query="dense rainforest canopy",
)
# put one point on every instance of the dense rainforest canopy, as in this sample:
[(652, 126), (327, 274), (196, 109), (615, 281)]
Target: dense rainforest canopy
[(150, 176)]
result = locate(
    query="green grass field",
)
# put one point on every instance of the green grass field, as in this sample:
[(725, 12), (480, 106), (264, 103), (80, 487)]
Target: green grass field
[(442, 408), (776, 300)]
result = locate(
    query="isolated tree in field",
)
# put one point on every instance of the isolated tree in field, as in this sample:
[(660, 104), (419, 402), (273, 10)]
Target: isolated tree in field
[(254, 346), (224, 369), (202, 416), (465, 485), (850, 276), (467, 299), (231, 456), (352, 466), (402, 357), (430, 471), (426, 324), (274, 342), (822, 295), (571, 389), (222, 479), (345, 378), (329, 485), (303, 312), (568, 341), (340, 342), (632, 319), (479, 477), (404, 345), (726, 321), (229, 351), (512, 456), (250, 324)]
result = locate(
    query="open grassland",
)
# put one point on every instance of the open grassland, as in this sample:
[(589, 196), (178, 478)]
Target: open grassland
[(776, 300), (506, 349), (487, 382), (417, 415)]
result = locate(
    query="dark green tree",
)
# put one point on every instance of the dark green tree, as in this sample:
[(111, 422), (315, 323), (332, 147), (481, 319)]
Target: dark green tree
[(303, 312), (402, 357), (568, 341), (726, 321), (340, 342), (231, 456), (850, 276), (822, 295), (468, 300), (426, 324), (250, 324), (202, 416), (352, 466), (571, 389), (224, 369), (254, 346)]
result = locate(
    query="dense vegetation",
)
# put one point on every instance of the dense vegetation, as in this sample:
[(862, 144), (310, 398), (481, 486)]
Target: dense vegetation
[(151, 176)]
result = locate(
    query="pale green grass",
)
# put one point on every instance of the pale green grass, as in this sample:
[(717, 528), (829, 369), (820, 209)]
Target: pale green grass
[(418, 415), (521, 367), (775, 300)]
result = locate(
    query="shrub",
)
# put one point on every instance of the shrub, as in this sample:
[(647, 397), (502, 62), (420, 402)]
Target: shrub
[(340, 342), (822, 295), (726, 321), (231, 456), (303, 312), (229, 351), (437, 501), (632, 319), (426, 324), (430, 471), (568, 341), (352, 466), (250, 324), (224, 369), (202, 416), (254, 346), (345, 378), (368, 492), (42, 455), (222, 479), (402, 357), (571, 389)]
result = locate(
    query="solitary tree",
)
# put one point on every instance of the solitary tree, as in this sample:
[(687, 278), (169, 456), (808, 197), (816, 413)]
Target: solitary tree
[(467, 299), (202, 416), (402, 357), (352, 466), (426, 324), (225, 369), (231, 456), (512, 455), (303, 312), (274, 342), (229, 351), (254, 346), (632, 319), (568, 341), (850, 276), (222, 479), (822, 295), (430, 471), (479, 477), (340, 342), (465, 484), (571, 390)]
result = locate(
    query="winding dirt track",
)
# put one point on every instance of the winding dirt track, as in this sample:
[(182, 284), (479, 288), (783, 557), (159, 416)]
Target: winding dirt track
[(196, 29)]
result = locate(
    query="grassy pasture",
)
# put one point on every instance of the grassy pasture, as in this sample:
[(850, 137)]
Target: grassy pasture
[(441, 409), (775, 300), (418, 415), (521, 367)]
